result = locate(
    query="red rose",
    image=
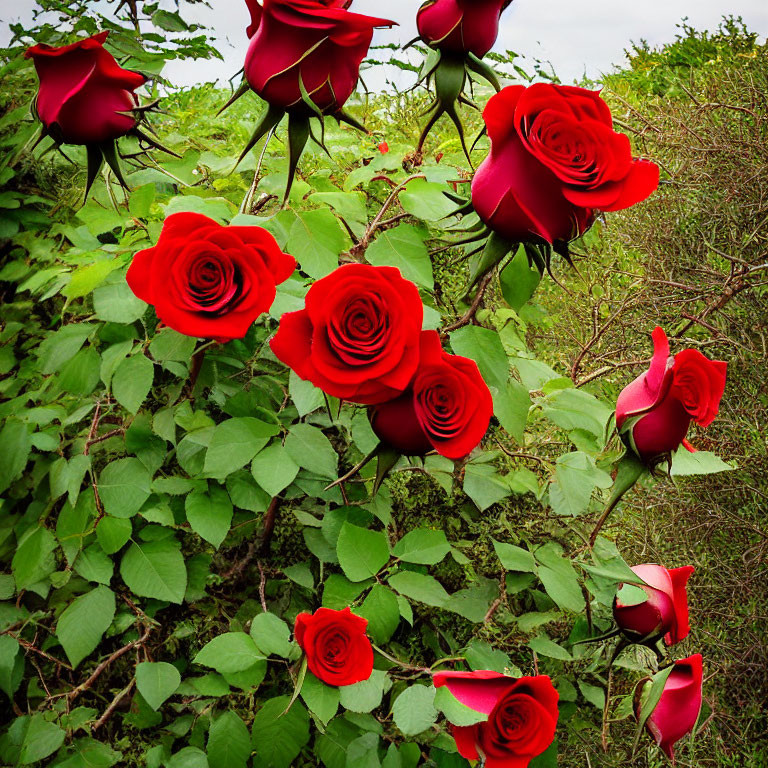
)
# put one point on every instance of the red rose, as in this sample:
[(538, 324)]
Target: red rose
[(358, 336), (317, 43), (207, 280), (657, 408), (83, 92), (338, 651), (678, 709), (555, 160), (522, 716), (447, 406), (461, 26), (665, 612)]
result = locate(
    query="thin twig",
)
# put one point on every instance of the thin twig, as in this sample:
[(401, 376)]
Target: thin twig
[(469, 315), (114, 704)]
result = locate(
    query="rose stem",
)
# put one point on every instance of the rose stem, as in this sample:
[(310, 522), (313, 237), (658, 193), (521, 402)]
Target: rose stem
[(269, 524), (608, 509)]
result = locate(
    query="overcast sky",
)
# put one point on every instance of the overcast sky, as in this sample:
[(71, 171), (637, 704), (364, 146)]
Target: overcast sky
[(577, 37)]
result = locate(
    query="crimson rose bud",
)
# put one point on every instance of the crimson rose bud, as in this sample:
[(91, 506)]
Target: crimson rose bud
[(659, 405), (678, 709), (337, 649), (358, 336), (84, 91), (665, 612), (317, 44), (209, 281), (460, 26), (447, 407), (522, 716), (555, 160)]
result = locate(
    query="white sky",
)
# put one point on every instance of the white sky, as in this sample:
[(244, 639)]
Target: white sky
[(577, 37)]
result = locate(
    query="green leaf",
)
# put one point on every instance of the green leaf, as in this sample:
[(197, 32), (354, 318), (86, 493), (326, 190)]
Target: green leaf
[(546, 647), (94, 565), (11, 665), (511, 405), (113, 533), (132, 381), (414, 709), (230, 652), (593, 694), (155, 569), (229, 743), (420, 587), (15, 446), (271, 634), (685, 463), (186, 757), (480, 655), (577, 477), (455, 712), (350, 206), (234, 443), (321, 699), (559, 578), (279, 736), (84, 622), (423, 546), (363, 752), (210, 514), (141, 198), (41, 740), (171, 345), (403, 247), (514, 558), (426, 200), (576, 409), (332, 746), (312, 450), (85, 279), (381, 609), (33, 559), (650, 698), (305, 395), (484, 485), (316, 240), (362, 553), (62, 346), (484, 347), (116, 303), (518, 281), (157, 681), (366, 695), (124, 486), (273, 468)]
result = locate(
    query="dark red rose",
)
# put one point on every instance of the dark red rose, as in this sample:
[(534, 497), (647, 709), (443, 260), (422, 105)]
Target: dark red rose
[(207, 280), (665, 612), (657, 408), (84, 91), (358, 337), (315, 42), (447, 407), (555, 160), (461, 26), (522, 716), (678, 709), (337, 648)]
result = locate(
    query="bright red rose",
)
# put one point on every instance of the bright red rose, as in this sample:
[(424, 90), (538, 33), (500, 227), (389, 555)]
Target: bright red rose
[(665, 612), (678, 709), (447, 406), (358, 337), (555, 160), (207, 280), (522, 716), (337, 648), (461, 26), (659, 405), (315, 42), (84, 91)]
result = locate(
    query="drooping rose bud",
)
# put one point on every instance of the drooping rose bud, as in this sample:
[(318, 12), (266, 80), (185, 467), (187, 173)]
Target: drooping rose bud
[(209, 281), (665, 612), (446, 408), (554, 161), (84, 93), (461, 26), (522, 716), (678, 709), (655, 411), (314, 45)]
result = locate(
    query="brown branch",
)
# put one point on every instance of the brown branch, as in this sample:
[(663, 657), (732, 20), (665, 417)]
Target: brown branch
[(34, 649), (194, 369), (469, 315), (269, 524), (607, 369), (114, 705)]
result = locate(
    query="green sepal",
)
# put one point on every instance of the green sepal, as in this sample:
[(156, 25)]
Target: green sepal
[(496, 248), (242, 89), (429, 66), (299, 683), (479, 67), (539, 256), (153, 142), (345, 117), (387, 458), (269, 120), (298, 135), (109, 150), (95, 164)]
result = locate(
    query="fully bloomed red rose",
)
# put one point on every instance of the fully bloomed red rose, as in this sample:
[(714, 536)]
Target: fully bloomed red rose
[(555, 160), (678, 709), (461, 26), (446, 408), (659, 405), (337, 648), (358, 337), (84, 92), (315, 43), (665, 612), (209, 281), (522, 716)]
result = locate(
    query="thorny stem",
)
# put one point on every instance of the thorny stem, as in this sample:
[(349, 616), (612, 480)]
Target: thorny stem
[(469, 315), (608, 509), (248, 199)]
